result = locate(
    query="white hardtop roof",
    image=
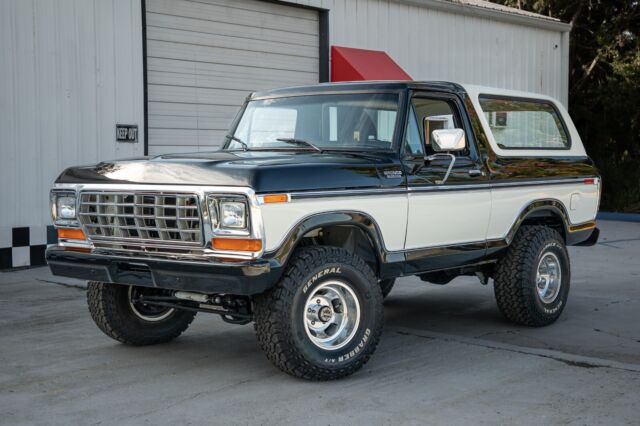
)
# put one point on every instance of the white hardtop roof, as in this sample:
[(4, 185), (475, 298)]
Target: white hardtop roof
[(576, 148)]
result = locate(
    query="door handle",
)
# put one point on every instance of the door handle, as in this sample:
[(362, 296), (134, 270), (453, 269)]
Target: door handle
[(475, 172)]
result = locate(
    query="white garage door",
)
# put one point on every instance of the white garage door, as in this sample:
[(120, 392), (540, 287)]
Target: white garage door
[(205, 56)]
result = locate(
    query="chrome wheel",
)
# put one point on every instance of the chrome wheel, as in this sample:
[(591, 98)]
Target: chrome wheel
[(147, 312), (548, 277), (332, 315)]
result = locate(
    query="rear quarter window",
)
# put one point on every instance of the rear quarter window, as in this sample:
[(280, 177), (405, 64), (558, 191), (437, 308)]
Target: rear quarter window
[(524, 123)]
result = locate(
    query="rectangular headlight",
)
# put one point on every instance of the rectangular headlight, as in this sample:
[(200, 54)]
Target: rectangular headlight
[(66, 206), (63, 206), (228, 213), (233, 214)]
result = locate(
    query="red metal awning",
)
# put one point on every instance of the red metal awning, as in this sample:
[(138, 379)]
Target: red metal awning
[(349, 64)]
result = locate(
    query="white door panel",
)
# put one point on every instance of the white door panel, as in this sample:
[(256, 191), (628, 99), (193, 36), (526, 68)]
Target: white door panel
[(447, 218), (509, 202), (389, 212)]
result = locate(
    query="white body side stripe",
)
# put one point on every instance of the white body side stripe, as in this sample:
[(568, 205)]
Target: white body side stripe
[(420, 219), (389, 212)]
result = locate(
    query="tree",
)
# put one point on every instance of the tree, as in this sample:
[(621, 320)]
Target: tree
[(604, 88)]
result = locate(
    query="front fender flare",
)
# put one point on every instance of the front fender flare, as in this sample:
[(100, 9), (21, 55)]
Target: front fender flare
[(334, 218)]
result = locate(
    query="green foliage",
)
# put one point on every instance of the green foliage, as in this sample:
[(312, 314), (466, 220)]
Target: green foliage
[(604, 88)]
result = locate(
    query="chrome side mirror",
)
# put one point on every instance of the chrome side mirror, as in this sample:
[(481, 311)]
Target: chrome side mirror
[(443, 142), (447, 140)]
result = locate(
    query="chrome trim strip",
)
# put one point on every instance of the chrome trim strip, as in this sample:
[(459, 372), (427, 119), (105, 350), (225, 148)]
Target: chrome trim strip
[(498, 185), (436, 188), (195, 260), (542, 182), (347, 193)]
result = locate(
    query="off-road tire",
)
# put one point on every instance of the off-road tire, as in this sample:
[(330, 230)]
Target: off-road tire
[(515, 277), (279, 315), (110, 310), (386, 286)]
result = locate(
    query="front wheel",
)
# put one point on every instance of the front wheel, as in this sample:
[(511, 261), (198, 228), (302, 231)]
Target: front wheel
[(532, 280), (324, 319), (117, 311)]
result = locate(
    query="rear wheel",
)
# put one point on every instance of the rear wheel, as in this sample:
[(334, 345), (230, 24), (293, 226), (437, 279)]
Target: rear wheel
[(324, 319), (532, 280), (117, 311)]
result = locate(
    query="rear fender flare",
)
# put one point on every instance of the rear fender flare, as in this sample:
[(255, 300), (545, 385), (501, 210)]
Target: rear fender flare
[(552, 206)]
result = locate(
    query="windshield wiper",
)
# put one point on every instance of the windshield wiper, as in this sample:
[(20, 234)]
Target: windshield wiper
[(245, 147), (299, 142)]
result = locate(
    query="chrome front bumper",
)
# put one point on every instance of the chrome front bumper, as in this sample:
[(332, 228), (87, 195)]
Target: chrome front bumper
[(238, 278)]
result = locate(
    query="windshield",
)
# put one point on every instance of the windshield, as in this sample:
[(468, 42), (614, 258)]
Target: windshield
[(336, 121)]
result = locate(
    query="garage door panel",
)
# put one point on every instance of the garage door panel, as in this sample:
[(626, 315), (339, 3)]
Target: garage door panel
[(243, 17), (233, 30), (158, 121), (211, 54), (204, 57), (196, 121), (187, 137), (224, 81), (191, 110), (196, 95), (262, 6), (229, 42), (235, 72)]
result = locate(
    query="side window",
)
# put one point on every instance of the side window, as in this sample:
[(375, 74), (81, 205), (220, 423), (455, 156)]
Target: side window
[(433, 114), (413, 140), (524, 124)]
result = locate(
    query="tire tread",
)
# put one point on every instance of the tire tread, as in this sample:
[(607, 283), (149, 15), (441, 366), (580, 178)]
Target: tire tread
[(513, 296), (273, 307), (106, 310)]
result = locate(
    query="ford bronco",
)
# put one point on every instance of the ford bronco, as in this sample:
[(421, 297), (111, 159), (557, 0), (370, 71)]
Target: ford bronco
[(319, 199)]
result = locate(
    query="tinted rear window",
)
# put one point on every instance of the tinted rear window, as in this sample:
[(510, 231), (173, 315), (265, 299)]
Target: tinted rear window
[(524, 124)]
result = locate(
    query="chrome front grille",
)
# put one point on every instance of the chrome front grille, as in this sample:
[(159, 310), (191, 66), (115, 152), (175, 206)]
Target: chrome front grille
[(141, 218)]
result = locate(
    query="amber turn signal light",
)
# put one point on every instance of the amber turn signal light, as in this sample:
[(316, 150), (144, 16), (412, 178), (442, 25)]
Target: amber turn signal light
[(276, 198), (71, 234), (236, 244)]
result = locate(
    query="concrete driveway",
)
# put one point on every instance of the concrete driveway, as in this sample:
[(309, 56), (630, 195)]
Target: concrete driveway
[(446, 357)]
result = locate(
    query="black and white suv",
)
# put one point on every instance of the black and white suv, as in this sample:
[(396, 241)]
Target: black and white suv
[(319, 199)]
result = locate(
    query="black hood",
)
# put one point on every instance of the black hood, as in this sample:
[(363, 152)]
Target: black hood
[(264, 171)]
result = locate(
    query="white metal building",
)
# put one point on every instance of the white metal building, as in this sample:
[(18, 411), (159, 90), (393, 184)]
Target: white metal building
[(71, 70)]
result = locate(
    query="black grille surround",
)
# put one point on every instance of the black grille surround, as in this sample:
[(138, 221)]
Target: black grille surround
[(136, 219)]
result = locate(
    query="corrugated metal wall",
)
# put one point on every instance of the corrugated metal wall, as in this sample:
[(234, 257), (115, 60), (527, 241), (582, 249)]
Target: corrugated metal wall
[(437, 45), (69, 70)]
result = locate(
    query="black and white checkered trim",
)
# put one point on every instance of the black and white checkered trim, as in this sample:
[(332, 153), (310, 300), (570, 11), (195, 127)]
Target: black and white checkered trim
[(25, 246)]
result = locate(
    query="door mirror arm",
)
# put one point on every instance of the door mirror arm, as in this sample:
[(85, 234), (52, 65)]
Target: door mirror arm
[(452, 157), (430, 158)]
